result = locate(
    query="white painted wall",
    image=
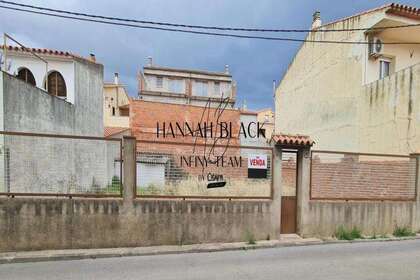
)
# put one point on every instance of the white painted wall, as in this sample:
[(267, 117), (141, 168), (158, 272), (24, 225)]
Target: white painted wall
[(64, 66)]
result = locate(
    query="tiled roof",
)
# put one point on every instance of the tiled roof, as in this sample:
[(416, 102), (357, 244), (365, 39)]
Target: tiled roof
[(294, 140), (109, 131), (43, 51), (404, 10)]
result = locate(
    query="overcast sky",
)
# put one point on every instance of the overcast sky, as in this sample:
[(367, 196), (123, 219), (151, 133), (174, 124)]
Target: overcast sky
[(254, 63)]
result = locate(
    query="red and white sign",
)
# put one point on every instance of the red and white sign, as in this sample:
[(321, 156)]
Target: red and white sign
[(257, 162)]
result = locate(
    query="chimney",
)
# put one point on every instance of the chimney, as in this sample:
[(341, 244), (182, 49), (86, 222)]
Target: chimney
[(116, 80), (226, 69), (92, 57), (149, 61), (316, 20)]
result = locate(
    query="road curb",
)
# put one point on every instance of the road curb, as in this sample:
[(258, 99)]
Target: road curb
[(71, 254)]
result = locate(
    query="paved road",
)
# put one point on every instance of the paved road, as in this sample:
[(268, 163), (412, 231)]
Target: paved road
[(381, 260)]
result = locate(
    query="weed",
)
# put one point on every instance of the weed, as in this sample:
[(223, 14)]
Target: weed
[(250, 238), (403, 232), (343, 234)]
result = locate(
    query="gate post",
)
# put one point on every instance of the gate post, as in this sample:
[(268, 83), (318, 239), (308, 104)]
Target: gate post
[(129, 168), (303, 188), (415, 223), (276, 191)]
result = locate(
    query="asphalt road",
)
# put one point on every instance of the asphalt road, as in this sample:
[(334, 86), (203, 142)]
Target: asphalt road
[(379, 260)]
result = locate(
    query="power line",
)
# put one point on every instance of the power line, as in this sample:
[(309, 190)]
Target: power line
[(203, 26), (203, 32)]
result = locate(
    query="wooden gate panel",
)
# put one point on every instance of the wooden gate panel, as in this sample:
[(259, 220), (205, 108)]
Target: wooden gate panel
[(288, 214)]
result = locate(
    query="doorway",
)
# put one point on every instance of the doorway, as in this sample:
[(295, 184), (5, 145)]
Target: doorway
[(289, 192)]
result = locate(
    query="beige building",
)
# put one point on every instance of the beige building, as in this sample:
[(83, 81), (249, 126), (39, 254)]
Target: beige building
[(356, 97), (266, 116), (182, 86), (116, 113)]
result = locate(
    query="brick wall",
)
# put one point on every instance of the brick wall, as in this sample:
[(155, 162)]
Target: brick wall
[(362, 177), (144, 116), (181, 179)]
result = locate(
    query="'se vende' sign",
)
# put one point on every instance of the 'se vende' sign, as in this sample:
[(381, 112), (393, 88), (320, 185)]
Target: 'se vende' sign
[(257, 162), (257, 166)]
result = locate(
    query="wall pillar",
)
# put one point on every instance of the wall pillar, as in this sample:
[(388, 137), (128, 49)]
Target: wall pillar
[(303, 189), (277, 188), (129, 168), (415, 223)]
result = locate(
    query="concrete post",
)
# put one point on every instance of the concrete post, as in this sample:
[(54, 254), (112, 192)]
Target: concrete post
[(415, 223), (129, 168), (303, 188), (277, 188)]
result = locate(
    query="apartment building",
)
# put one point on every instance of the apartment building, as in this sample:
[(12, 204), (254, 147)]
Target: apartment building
[(183, 86)]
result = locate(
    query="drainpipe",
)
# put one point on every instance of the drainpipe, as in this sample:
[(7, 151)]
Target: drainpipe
[(116, 82), (5, 51)]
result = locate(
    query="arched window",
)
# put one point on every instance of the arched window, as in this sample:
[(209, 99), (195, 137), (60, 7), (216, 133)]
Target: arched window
[(56, 84), (26, 75)]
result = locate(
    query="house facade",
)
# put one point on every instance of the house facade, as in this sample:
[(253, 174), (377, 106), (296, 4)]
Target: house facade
[(116, 103), (59, 94), (356, 97), (183, 86)]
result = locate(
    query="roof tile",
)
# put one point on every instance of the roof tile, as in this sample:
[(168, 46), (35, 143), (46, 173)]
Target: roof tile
[(295, 140)]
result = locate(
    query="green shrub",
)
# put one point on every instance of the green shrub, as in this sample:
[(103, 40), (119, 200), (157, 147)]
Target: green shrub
[(343, 234), (403, 232), (250, 238), (355, 233)]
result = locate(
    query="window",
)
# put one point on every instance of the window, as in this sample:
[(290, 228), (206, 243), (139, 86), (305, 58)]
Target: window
[(113, 111), (176, 85), (200, 88), (26, 75), (56, 84), (159, 82), (216, 90), (384, 68)]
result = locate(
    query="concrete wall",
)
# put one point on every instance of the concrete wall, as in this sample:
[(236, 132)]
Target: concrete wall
[(324, 217), (35, 223)]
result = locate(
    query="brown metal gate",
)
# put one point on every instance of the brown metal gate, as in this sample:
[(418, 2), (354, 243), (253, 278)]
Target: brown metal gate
[(288, 196)]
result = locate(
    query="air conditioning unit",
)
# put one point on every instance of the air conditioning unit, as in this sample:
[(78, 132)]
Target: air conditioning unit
[(375, 47)]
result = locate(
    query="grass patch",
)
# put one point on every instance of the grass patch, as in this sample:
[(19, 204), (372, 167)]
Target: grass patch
[(250, 238), (403, 232), (344, 234)]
